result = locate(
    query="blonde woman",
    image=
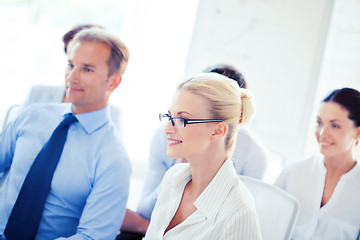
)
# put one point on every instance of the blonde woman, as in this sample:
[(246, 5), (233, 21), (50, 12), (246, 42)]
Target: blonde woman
[(204, 198)]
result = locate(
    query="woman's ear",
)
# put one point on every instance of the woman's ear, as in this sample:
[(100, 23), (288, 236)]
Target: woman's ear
[(357, 137), (219, 131)]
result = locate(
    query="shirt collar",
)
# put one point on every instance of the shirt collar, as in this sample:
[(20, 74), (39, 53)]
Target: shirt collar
[(183, 176), (353, 172), (90, 121), (212, 198), (349, 174)]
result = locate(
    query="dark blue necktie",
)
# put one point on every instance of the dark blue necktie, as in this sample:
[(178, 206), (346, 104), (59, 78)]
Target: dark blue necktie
[(26, 214)]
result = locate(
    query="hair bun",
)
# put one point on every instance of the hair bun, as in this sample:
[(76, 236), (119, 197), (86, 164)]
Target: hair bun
[(247, 106)]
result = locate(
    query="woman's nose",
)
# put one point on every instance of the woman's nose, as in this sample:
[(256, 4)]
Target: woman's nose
[(169, 128), (323, 131)]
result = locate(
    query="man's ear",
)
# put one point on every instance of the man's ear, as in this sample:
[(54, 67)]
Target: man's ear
[(219, 131), (115, 80)]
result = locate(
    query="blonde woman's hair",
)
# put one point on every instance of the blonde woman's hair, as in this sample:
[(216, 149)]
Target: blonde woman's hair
[(227, 101)]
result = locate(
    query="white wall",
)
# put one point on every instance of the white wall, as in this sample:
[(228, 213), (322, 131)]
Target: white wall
[(278, 46), (341, 62), (158, 34)]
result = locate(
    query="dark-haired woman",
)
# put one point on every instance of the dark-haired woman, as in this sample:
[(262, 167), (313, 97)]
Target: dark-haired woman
[(327, 185)]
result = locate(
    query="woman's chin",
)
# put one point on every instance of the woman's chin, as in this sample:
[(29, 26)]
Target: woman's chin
[(171, 154)]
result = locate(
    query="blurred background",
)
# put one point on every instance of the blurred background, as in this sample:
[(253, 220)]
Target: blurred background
[(292, 53)]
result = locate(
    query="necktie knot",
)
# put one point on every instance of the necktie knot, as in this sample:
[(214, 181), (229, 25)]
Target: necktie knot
[(68, 120)]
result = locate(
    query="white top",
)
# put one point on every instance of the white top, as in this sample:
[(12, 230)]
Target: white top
[(340, 217), (55, 94), (225, 209), (249, 159)]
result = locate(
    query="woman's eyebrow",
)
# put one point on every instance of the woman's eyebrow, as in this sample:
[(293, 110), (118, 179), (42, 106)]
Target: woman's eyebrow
[(184, 112)]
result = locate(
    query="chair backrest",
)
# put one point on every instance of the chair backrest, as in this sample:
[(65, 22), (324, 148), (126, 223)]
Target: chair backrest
[(277, 209)]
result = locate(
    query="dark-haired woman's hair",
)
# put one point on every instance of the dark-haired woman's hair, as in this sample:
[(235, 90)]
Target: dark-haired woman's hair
[(349, 99), (228, 71)]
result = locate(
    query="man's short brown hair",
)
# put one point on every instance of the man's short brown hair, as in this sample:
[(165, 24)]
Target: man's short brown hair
[(119, 54)]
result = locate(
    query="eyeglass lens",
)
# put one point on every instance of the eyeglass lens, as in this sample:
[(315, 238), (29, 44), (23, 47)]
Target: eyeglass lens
[(178, 122)]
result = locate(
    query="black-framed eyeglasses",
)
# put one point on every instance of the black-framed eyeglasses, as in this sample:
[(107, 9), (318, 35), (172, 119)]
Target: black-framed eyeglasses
[(180, 122)]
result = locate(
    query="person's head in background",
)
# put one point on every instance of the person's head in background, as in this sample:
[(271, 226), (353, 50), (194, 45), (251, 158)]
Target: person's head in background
[(228, 71), (68, 36), (207, 96), (96, 62), (338, 123)]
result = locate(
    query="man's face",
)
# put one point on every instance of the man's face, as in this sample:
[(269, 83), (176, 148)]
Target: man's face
[(88, 85)]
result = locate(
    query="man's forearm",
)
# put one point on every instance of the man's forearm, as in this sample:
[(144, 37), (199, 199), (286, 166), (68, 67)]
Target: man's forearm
[(133, 222)]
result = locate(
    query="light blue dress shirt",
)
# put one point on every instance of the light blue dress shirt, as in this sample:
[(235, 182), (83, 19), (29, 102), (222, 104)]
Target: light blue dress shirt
[(89, 190), (55, 94), (249, 159)]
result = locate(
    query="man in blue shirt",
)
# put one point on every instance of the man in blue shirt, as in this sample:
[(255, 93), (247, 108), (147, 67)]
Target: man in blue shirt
[(89, 189)]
